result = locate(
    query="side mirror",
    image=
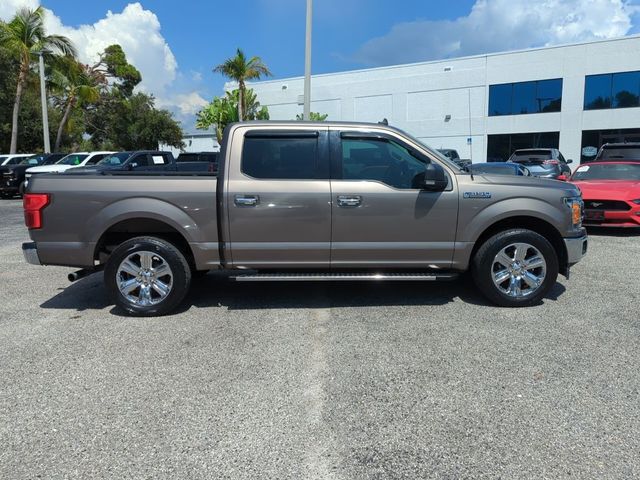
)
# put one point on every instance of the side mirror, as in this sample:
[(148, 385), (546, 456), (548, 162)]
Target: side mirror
[(569, 161), (435, 180), (133, 165)]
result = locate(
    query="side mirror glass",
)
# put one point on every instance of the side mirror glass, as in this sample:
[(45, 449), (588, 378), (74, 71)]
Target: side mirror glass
[(133, 165), (435, 179)]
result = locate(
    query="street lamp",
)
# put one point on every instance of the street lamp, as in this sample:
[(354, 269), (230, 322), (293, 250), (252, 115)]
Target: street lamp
[(43, 98), (306, 111)]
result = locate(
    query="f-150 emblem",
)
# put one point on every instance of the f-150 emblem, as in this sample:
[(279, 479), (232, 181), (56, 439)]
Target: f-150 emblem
[(477, 194)]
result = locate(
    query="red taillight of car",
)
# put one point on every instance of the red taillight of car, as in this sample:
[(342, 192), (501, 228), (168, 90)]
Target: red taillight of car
[(551, 162), (33, 204)]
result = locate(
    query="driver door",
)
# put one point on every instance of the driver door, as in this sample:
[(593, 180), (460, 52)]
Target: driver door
[(380, 215)]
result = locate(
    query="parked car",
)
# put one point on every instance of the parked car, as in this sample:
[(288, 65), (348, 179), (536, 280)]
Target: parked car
[(12, 182), (13, 159), (211, 158), (543, 162), (498, 168), (140, 160), (617, 152), (308, 201), (611, 193), (453, 155), (78, 159)]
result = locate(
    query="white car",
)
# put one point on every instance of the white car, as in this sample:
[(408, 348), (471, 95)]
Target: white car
[(78, 159), (13, 159)]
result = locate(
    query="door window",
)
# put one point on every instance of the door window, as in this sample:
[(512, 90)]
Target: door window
[(279, 157), (383, 161)]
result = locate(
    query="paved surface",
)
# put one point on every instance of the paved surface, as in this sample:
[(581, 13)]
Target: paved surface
[(320, 381)]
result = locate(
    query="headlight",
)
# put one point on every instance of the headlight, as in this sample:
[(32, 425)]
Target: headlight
[(577, 206), (636, 201)]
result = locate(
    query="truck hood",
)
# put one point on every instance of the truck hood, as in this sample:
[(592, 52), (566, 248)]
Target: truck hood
[(48, 169), (517, 180), (610, 189), (94, 169)]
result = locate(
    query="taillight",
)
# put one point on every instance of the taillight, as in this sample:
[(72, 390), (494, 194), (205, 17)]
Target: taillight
[(33, 204), (551, 162)]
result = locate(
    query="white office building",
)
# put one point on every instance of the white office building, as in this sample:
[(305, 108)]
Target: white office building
[(194, 143), (572, 97)]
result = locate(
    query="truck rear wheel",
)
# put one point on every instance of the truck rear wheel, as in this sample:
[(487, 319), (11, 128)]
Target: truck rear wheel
[(147, 276), (515, 268)]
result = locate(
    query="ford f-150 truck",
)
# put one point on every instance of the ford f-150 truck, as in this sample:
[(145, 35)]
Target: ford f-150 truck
[(300, 201)]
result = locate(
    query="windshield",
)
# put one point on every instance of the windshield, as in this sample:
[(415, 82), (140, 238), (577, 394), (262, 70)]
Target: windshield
[(34, 160), (73, 159), (613, 171), (620, 153), (115, 159)]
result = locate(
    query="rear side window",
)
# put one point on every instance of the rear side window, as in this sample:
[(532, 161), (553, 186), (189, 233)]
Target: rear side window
[(287, 157), (188, 157)]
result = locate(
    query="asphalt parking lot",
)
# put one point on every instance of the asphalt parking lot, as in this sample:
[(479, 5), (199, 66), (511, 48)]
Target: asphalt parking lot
[(341, 381)]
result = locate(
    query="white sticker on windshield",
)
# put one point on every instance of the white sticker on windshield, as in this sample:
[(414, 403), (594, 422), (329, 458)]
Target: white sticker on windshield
[(583, 169), (157, 160)]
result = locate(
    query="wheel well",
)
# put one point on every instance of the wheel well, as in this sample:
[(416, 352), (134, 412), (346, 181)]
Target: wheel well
[(135, 227), (531, 223)]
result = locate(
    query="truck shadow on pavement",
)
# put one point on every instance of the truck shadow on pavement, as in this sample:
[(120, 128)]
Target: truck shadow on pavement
[(216, 290)]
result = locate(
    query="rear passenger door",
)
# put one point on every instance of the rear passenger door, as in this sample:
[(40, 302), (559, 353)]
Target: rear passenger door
[(278, 198)]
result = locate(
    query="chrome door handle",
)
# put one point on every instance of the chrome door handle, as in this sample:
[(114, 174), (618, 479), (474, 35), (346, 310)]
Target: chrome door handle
[(349, 200), (246, 200)]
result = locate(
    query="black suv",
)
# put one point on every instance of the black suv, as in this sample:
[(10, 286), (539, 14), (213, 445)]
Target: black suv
[(617, 152), (139, 161)]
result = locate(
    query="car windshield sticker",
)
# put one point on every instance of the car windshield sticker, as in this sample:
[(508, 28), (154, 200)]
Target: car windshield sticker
[(157, 160), (583, 169), (477, 194)]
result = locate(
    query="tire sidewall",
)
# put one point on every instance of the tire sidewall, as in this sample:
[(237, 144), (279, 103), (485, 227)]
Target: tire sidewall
[(174, 258), (483, 265)]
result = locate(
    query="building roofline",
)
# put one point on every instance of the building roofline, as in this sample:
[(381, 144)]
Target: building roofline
[(444, 60)]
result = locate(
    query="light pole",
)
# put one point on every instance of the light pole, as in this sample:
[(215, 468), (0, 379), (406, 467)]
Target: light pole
[(306, 111), (43, 98)]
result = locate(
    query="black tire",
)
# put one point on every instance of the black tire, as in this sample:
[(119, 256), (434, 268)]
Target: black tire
[(482, 268), (162, 250)]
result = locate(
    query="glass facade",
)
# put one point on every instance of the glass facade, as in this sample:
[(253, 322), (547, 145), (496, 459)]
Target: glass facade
[(612, 90), (592, 140), (500, 147), (539, 96)]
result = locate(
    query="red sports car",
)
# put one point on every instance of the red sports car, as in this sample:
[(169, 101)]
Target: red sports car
[(611, 193)]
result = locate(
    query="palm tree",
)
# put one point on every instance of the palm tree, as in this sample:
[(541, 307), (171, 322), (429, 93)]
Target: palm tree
[(25, 36), (239, 69), (76, 84)]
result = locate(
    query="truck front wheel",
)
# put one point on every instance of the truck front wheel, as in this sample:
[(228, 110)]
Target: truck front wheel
[(147, 276), (515, 268)]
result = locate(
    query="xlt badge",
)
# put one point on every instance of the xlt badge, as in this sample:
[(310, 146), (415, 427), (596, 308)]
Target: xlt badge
[(477, 194)]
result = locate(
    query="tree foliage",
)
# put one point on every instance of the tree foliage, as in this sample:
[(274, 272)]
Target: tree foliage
[(314, 117), (224, 110)]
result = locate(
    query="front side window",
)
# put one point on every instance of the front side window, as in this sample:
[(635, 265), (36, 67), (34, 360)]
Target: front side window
[(281, 157), (115, 159), (383, 161), (73, 159)]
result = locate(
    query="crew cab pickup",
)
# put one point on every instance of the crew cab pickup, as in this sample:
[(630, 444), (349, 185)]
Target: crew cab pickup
[(298, 201)]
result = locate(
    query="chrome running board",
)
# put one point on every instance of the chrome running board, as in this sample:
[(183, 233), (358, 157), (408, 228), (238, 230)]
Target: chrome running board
[(335, 277)]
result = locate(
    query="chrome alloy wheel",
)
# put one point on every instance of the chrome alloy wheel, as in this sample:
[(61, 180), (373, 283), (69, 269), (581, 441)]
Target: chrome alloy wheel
[(144, 278), (518, 270)]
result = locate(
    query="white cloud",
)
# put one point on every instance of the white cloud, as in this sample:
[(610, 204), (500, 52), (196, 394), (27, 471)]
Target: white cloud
[(8, 7), (185, 103), (499, 25)]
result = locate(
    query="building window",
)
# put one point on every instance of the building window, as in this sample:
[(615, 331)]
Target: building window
[(612, 90), (592, 140), (538, 96), (500, 147)]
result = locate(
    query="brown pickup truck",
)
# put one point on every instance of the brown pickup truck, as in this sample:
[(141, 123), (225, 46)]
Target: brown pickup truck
[(297, 201)]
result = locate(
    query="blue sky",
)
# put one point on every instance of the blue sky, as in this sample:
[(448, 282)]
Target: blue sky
[(176, 44)]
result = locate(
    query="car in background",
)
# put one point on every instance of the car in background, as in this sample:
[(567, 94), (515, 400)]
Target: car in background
[(139, 160), (453, 155), (617, 152), (13, 159), (210, 159), (543, 162), (497, 168), (77, 159), (611, 193), (12, 176)]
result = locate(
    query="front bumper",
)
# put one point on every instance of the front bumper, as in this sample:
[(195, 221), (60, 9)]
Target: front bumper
[(30, 252), (9, 184), (576, 248)]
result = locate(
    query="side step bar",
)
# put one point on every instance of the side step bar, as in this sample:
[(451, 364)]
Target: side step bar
[(348, 277)]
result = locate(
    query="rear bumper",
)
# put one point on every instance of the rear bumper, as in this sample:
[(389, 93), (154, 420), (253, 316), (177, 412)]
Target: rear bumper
[(576, 248), (30, 253)]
